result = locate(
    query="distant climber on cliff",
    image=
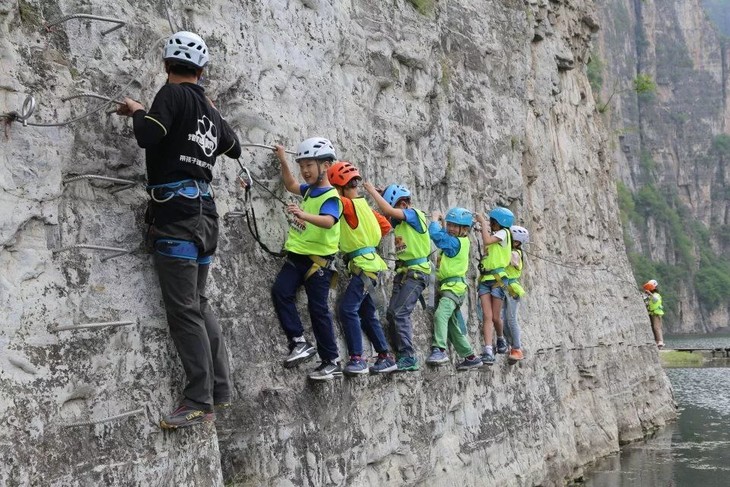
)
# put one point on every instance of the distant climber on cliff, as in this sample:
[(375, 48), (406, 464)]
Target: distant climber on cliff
[(497, 241), (451, 275), (412, 268), (653, 301), (514, 294), (311, 245), (360, 232), (182, 135)]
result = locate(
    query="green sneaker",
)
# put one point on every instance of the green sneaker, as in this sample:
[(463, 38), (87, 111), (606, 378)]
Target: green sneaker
[(407, 364), (185, 416)]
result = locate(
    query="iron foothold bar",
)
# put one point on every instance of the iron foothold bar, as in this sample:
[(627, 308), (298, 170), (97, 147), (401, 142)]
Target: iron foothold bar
[(120, 23)]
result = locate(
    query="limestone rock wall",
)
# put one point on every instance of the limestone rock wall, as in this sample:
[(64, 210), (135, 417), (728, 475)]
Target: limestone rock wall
[(471, 103)]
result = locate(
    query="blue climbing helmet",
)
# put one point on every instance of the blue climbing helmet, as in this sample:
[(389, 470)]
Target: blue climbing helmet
[(503, 216), (394, 193), (460, 216)]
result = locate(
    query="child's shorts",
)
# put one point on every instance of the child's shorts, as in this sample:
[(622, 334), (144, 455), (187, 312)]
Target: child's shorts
[(491, 287)]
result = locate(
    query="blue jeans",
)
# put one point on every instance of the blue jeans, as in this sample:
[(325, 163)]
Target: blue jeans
[(356, 309), (509, 318), (407, 287), (284, 294), (491, 287)]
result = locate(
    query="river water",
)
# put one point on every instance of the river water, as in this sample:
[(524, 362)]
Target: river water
[(694, 451)]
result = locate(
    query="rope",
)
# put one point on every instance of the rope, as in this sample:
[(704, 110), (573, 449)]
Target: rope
[(100, 178), (104, 420), (169, 19), (94, 325), (91, 247), (569, 266), (91, 95), (270, 147), (90, 17), (98, 108)]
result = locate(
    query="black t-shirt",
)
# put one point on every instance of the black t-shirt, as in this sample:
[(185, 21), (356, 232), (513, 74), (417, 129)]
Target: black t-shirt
[(182, 135)]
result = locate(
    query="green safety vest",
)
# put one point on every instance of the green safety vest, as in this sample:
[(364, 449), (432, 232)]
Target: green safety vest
[(411, 244), (367, 234), (453, 268), (307, 239), (514, 272), (497, 257), (654, 305)]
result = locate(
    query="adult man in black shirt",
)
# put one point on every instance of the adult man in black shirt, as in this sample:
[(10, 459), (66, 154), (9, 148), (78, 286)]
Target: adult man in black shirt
[(182, 134)]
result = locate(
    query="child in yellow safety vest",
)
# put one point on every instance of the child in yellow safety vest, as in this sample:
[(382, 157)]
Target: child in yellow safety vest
[(453, 265), (492, 269), (360, 234), (311, 245), (413, 269), (653, 301), (515, 291)]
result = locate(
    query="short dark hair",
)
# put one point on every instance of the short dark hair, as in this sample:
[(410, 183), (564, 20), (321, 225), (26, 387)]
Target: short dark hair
[(181, 69)]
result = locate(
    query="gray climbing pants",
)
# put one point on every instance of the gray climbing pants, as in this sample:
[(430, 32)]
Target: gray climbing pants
[(193, 326)]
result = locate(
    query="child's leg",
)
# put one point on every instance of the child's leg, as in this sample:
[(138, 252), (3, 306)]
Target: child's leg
[(457, 337), (400, 309), (441, 317), (371, 324), (496, 299), (347, 312), (487, 323), (284, 294), (318, 287), (511, 326), (656, 328), (391, 327)]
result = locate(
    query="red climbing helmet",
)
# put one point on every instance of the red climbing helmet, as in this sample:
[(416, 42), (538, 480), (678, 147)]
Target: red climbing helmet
[(341, 173), (651, 285)]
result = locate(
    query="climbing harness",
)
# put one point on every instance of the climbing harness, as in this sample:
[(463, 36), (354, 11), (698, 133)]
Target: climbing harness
[(181, 249), (187, 188)]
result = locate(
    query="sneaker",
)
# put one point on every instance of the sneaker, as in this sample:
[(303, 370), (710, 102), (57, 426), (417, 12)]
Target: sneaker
[(356, 366), (384, 365), (300, 352), (221, 405), (515, 355), (660, 345), (501, 345), (185, 416), (487, 357), (437, 357), (407, 364), (470, 363), (326, 371)]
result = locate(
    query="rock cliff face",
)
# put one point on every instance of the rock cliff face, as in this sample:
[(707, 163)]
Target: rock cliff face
[(468, 103), (672, 149)]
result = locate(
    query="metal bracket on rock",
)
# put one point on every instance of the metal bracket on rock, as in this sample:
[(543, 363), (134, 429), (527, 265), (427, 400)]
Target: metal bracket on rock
[(270, 147), (126, 183), (106, 324), (25, 112), (65, 18), (117, 251), (104, 420)]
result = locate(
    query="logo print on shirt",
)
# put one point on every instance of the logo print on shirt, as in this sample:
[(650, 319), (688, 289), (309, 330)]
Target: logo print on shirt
[(400, 245), (206, 136)]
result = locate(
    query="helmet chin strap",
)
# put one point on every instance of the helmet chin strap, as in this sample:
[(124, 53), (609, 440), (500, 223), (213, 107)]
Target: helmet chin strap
[(320, 174)]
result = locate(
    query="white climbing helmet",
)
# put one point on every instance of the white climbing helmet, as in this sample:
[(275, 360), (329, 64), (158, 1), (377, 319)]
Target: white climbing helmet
[(186, 48), (520, 234), (316, 148)]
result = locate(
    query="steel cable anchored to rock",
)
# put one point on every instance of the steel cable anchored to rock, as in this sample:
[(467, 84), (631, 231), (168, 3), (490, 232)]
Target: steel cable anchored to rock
[(104, 420)]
